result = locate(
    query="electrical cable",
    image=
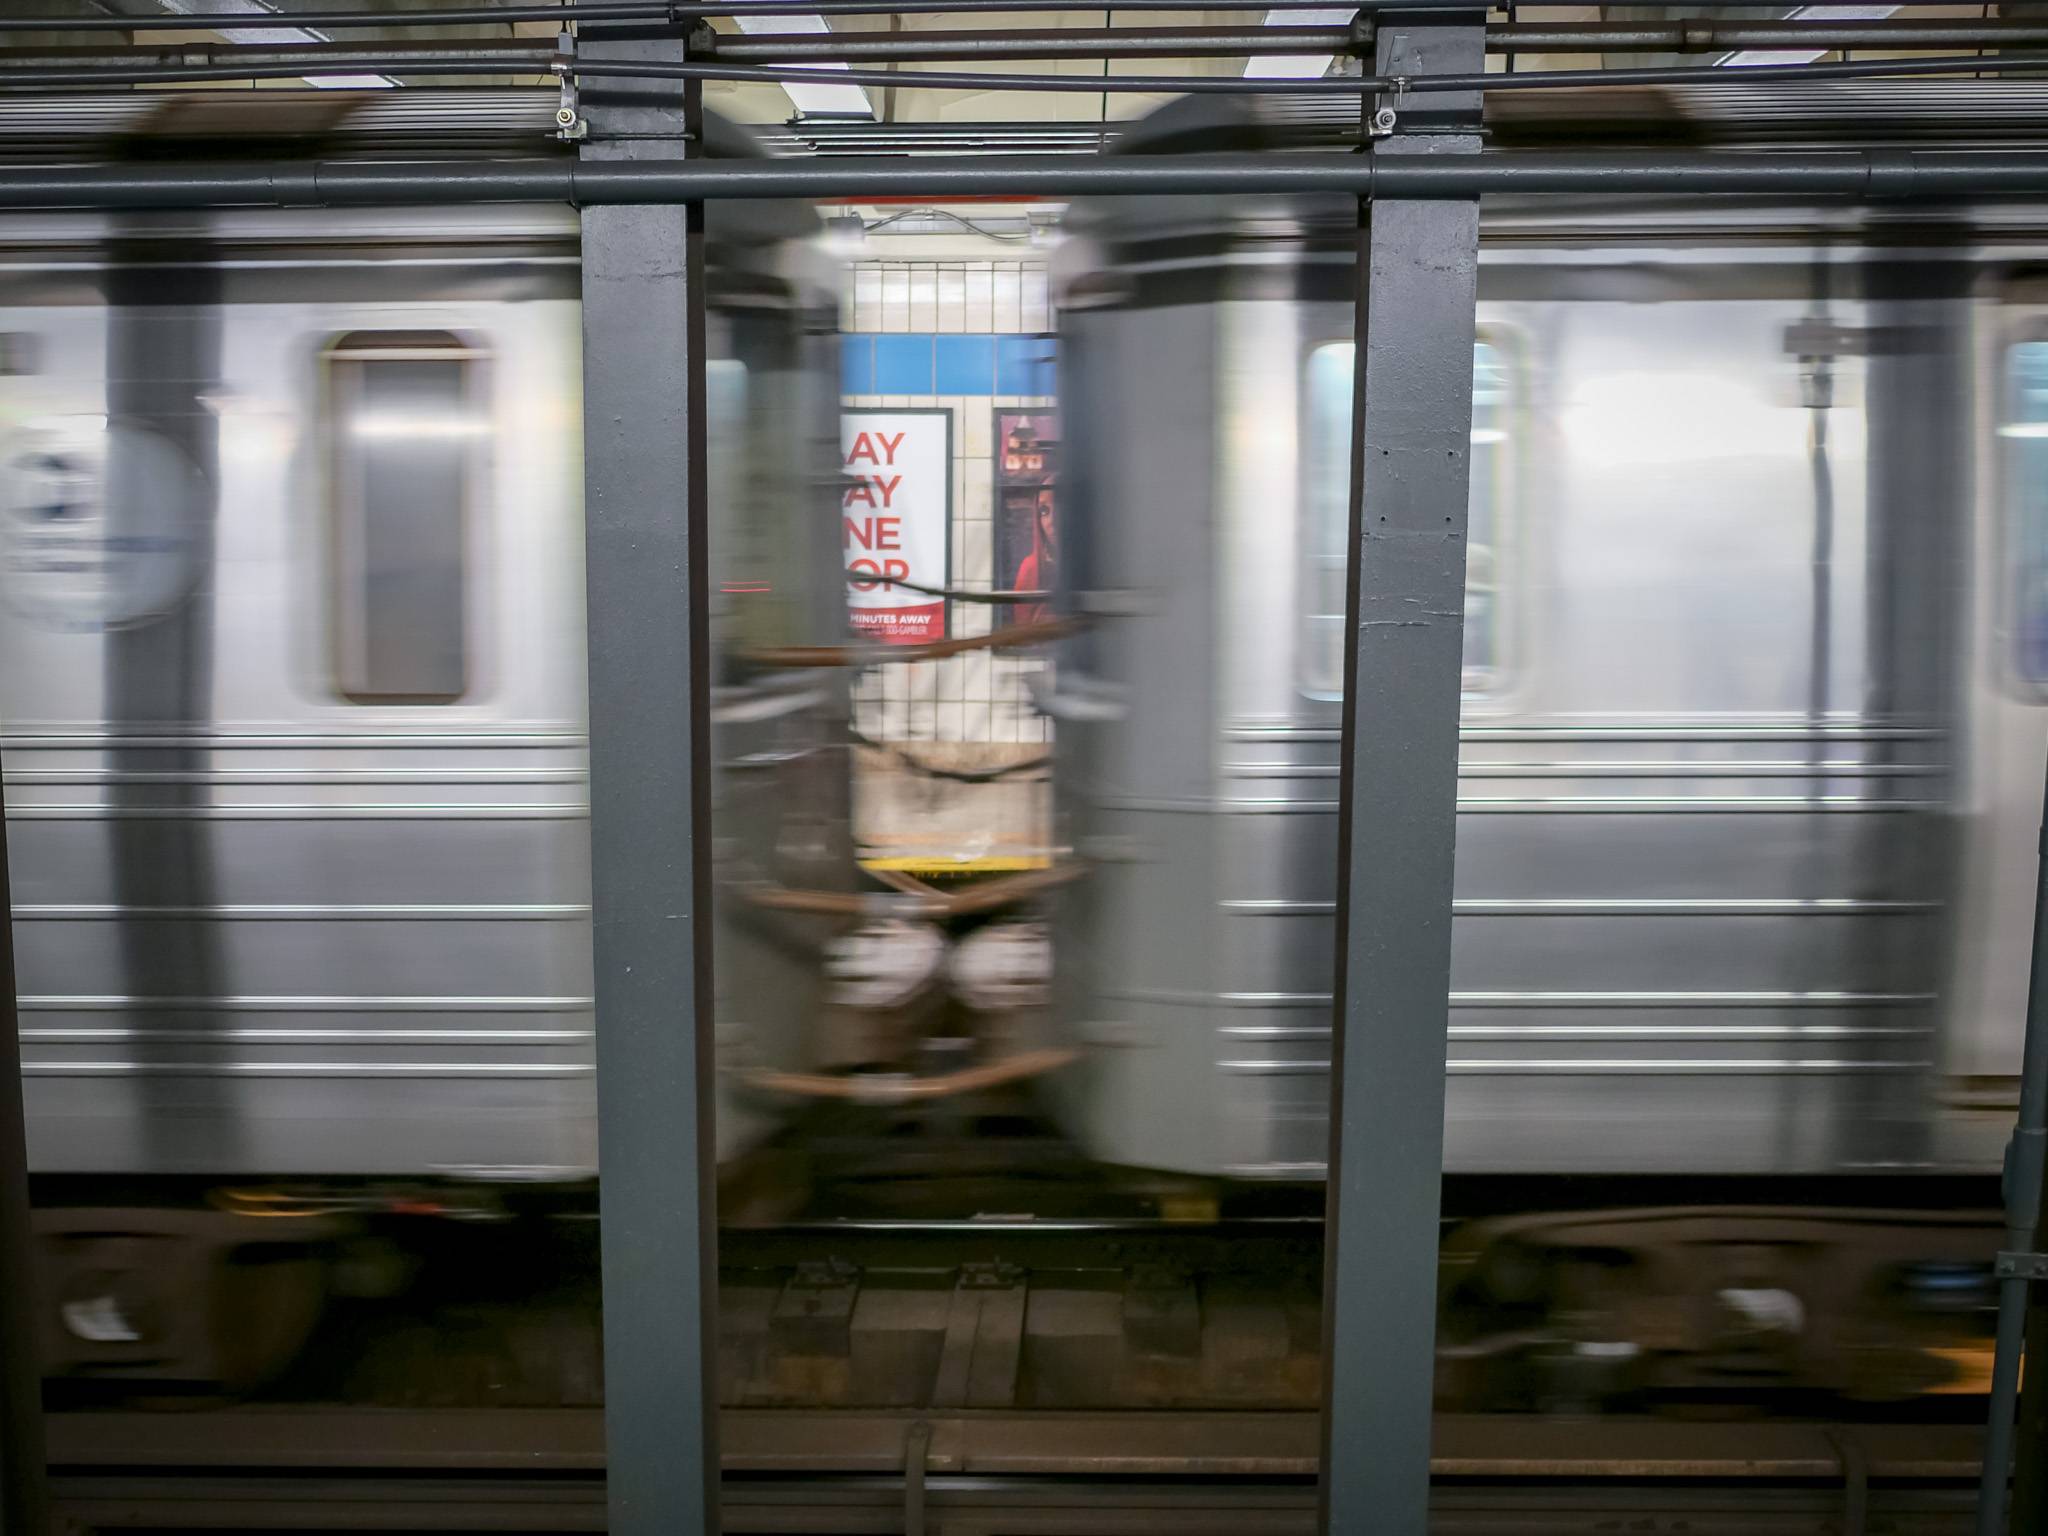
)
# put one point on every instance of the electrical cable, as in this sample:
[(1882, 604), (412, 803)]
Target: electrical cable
[(986, 234)]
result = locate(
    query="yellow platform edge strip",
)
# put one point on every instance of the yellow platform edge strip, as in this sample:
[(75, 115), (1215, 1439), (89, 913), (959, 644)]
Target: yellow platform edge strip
[(929, 864)]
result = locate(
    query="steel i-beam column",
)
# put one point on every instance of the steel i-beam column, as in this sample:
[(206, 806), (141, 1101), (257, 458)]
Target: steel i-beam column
[(23, 1507), (644, 519), (1411, 436)]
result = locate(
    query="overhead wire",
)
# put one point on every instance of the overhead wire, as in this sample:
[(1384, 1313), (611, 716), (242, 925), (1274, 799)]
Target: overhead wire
[(1005, 236)]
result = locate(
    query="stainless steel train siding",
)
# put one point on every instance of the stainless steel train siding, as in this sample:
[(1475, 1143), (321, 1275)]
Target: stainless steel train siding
[(1749, 712), (292, 682)]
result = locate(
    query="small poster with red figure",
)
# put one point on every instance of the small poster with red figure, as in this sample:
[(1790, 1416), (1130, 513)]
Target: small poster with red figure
[(1027, 545)]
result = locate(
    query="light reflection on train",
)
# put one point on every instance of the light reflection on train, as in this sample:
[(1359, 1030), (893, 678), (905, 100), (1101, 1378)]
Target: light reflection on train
[(1756, 638)]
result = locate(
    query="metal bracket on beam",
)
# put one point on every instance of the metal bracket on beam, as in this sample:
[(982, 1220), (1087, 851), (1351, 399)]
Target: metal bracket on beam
[(570, 125), (2023, 1266)]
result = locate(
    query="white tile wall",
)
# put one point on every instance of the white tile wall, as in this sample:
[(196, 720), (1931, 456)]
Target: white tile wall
[(980, 696), (1009, 300), (952, 301), (1036, 302), (981, 313), (867, 298), (924, 298), (895, 299)]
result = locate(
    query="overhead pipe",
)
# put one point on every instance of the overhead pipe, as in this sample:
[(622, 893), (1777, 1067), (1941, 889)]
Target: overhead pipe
[(1867, 175), (219, 61), (1706, 36), (261, 64)]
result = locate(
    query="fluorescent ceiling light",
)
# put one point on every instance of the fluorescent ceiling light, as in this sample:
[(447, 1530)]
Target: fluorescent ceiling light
[(275, 36), (1752, 56), (823, 99), (1296, 66)]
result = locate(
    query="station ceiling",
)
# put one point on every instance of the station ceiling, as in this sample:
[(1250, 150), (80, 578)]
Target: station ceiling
[(825, 104)]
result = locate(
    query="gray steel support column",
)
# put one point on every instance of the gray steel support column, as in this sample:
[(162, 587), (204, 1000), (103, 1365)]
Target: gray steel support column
[(1412, 404), (2024, 1170), (644, 515), (23, 1507), (2030, 1444)]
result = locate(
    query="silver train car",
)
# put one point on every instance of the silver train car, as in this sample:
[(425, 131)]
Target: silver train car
[(293, 692), (1754, 678)]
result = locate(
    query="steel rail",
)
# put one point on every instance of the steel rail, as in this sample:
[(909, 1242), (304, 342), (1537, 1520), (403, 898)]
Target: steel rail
[(675, 12), (1852, 175), (265, 64)]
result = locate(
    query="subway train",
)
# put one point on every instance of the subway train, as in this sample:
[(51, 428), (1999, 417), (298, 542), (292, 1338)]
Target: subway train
[(1756, 645), (1752, 737), (292, 682)]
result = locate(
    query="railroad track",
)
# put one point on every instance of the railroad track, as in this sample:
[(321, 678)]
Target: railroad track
[(1020, 1474)]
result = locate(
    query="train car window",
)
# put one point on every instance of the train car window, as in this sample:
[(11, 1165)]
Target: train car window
[(2024, 436), (406, 428), (1327, 514)]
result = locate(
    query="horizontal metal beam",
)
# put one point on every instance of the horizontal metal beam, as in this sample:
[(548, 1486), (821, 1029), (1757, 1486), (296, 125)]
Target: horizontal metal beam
[(532, 57), (666, 12), (309, 63), (1038, 43), (1254, 42), (239, 60), (1690, 36), (1878, 175)]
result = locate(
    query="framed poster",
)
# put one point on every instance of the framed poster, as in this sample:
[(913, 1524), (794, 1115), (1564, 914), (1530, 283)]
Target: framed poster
[(1026, 538), (897, 521)]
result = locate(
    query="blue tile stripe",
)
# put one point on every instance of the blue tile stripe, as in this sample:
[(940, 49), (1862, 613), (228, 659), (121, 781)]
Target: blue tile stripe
[(926, 363)]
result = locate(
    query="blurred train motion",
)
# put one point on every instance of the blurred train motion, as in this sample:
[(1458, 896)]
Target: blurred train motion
[(291, 671), (291, 612), (1752, 724)]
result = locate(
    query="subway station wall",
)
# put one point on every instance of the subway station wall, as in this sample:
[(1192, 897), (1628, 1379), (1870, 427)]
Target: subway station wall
[(972, 339)]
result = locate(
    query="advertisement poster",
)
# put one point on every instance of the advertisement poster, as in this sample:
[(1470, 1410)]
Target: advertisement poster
[(898, 519), (1027, 545)]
